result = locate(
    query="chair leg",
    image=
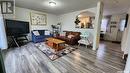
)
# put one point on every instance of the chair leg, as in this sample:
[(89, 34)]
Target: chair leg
[(86, 46)]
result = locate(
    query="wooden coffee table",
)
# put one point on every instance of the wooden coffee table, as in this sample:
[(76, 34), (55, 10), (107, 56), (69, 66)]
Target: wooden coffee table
[(55, 44)]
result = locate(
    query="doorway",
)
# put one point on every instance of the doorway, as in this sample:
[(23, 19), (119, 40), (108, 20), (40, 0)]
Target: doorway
[(111, 34)]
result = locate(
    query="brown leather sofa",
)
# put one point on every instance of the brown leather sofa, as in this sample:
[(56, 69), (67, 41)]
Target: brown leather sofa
[(71, 41)]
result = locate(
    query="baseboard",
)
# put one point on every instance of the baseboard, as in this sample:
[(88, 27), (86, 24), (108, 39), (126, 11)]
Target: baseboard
[(116, 42)]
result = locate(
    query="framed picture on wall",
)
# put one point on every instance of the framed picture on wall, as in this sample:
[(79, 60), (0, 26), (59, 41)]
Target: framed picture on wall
[(38, 19)]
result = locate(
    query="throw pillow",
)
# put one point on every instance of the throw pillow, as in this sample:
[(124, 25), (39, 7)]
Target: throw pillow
[(70, 36), (47, 32), (36, 33)]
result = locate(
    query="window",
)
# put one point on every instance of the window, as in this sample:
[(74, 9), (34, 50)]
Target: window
[(104, 24), (122, 25)]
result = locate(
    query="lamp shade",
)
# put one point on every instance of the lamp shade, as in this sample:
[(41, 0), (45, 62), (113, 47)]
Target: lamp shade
[(3, 38)]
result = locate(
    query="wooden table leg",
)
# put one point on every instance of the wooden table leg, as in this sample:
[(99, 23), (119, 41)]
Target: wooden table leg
[(56, 50)]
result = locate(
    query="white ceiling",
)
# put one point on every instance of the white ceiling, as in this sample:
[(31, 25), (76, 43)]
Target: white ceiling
[(116, 6), (63, 6), (86, 13), (66, 6)]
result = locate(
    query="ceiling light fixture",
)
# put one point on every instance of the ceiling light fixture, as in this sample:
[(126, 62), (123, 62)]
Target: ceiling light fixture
[(52, 4)]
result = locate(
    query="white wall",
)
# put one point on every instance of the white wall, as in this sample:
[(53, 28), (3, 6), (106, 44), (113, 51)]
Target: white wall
[(23, 14), (128, 34), (97, 28), (127, 67), (125, 39), (3, 39), (67, 20)]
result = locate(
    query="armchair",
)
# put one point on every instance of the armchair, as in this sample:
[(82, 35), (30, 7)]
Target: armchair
[(86, 39)]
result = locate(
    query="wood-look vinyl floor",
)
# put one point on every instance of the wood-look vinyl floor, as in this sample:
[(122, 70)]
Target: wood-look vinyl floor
[(29, 59)]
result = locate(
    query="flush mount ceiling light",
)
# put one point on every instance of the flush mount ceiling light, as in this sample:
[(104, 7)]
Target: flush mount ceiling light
[(52, 4)]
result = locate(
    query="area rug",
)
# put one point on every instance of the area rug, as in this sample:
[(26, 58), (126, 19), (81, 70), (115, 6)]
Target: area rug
[(49, 52)]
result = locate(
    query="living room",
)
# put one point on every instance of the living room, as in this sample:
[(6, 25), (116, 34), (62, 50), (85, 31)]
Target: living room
[(53, 36)]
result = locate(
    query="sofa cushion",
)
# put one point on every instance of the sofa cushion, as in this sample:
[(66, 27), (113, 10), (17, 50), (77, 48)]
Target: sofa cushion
[(39, 37), (41, 32), (63, 34), (72, 33)]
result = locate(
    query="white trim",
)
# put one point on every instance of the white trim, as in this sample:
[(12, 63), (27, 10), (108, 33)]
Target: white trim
[(3, 39), (97, 26)]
